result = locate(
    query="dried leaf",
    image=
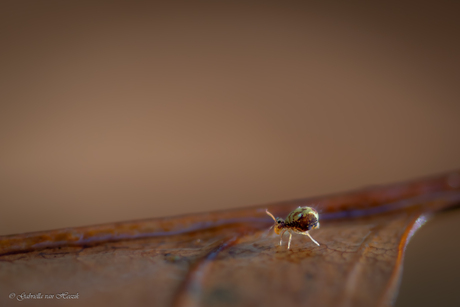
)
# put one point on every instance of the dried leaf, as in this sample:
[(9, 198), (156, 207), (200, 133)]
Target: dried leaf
[(230, 258)]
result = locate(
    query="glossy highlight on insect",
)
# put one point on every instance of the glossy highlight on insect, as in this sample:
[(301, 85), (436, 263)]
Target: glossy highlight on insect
[(299, 221)]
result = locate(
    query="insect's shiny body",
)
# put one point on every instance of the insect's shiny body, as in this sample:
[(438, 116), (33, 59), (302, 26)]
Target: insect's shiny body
[(299, 221), (302, 219)]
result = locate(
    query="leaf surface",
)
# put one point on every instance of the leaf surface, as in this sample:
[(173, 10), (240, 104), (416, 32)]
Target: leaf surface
[(230, 258)]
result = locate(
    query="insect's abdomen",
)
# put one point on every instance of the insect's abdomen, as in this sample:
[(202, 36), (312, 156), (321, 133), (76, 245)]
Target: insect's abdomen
[(302, 219)]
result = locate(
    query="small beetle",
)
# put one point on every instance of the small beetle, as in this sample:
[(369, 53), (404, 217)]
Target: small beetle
[(300, 221)]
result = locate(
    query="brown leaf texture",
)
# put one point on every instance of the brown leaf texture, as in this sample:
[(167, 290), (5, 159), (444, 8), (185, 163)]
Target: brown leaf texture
[(231, 258)]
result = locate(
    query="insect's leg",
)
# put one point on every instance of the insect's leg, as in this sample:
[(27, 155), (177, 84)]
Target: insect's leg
[(307, 234), (281, 241), (290, 238)]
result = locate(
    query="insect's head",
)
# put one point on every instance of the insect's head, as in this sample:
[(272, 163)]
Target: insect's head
[(279, 223)]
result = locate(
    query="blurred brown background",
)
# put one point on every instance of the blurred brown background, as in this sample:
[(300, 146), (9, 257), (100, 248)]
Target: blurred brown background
[(115, 111)]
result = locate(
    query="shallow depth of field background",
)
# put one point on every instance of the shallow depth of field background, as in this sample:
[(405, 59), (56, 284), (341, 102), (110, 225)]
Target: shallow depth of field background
[(115, 111)]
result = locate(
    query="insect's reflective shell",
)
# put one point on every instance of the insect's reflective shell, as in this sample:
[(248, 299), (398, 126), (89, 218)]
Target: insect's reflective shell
[(302, 219)]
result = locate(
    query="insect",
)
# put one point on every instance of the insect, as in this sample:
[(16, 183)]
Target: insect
[(300, 221)]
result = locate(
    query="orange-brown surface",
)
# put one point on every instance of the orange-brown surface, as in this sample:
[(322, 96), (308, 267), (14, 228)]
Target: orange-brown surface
[(229, 258)]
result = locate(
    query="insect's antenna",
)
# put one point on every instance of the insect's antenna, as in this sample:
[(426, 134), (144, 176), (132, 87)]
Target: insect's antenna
[(270, 215)]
